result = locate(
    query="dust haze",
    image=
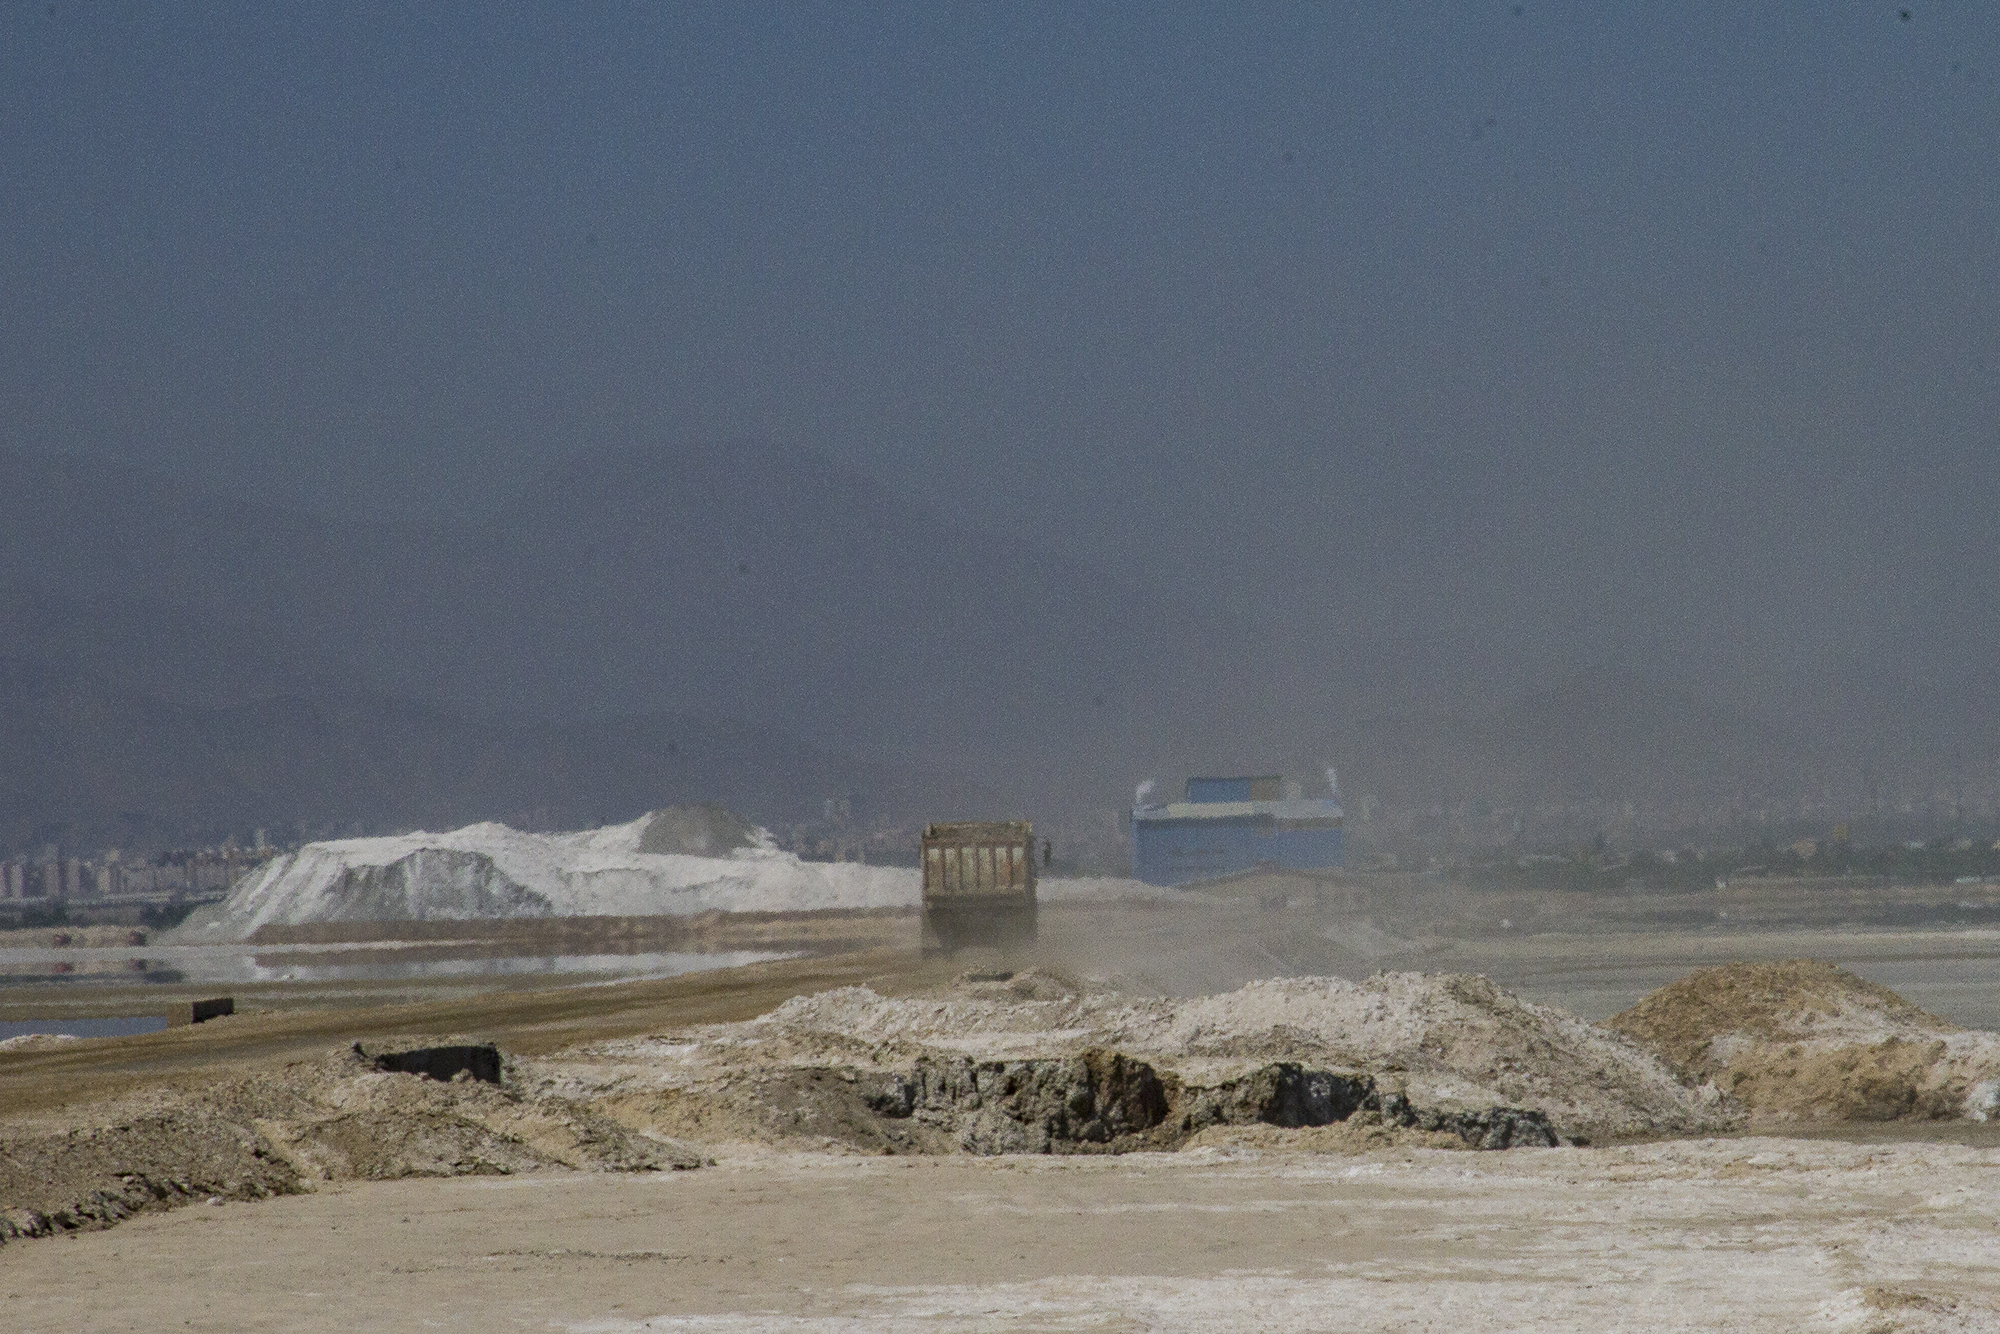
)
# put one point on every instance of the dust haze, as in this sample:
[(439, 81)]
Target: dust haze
[(517, 530), (1528, 413)]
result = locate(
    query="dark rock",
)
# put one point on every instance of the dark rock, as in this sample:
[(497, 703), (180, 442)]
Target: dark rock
[(1038, 1106), (896, 1098), (1104, 1100), (480, 1062), (1493, 1128), (1282, 1094)]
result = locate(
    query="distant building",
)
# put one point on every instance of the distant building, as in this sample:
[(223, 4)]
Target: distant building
[(1230, 825)]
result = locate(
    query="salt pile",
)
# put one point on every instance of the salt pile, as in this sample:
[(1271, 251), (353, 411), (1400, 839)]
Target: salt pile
[(490, 871), (1448, 1042), (1806, 1040), (669, 863), (675, 862)]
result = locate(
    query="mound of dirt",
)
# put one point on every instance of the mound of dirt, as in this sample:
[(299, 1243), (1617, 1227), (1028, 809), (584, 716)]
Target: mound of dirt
[(147, 1160), (1447, 1053), (281, 1131), (1805, 1040), (1451, 1042)]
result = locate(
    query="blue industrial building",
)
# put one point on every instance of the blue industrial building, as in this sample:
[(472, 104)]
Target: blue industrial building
[(1228, 825)]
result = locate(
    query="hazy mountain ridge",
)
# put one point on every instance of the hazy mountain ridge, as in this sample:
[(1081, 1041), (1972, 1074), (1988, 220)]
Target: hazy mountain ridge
[(87, 762), (742, 581), (125, 723), (1603, 734), (199, 658)]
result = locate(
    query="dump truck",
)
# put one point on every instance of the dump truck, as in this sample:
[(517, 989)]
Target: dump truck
[(979, 885)]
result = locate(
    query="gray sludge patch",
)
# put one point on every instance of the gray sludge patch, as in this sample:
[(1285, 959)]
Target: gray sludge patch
[(1106, 1101), (1282, 1094), (1096, 1100), (1491, 1128)]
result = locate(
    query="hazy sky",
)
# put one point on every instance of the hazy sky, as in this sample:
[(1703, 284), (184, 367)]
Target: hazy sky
[(1499, 334)]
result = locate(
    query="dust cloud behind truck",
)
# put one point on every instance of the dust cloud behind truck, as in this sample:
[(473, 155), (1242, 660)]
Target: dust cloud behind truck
[(979, 885)]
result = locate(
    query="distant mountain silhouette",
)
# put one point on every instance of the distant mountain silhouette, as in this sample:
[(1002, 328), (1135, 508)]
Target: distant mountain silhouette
[(91, 761), (773, 585), (1605, 733), (203, 661), (735, 582), (738, 623)]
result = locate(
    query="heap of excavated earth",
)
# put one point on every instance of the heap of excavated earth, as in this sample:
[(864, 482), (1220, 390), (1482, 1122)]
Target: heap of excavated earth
[(1805, 1040), (1041, 1063), (1036, 1062), (276, 1132)]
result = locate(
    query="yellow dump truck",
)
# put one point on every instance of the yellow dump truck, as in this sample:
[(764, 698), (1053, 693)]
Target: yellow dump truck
[(979, 885)]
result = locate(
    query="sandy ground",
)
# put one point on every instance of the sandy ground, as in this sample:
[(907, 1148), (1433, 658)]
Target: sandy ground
[(41, 1081), (1880, 1231), (1747, 1234)]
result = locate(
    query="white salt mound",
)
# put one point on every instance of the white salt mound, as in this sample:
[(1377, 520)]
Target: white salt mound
[(490, 871)]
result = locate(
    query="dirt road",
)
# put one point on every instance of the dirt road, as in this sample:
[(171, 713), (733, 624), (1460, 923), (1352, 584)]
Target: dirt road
[(523, 1022), (1750, 1235)]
